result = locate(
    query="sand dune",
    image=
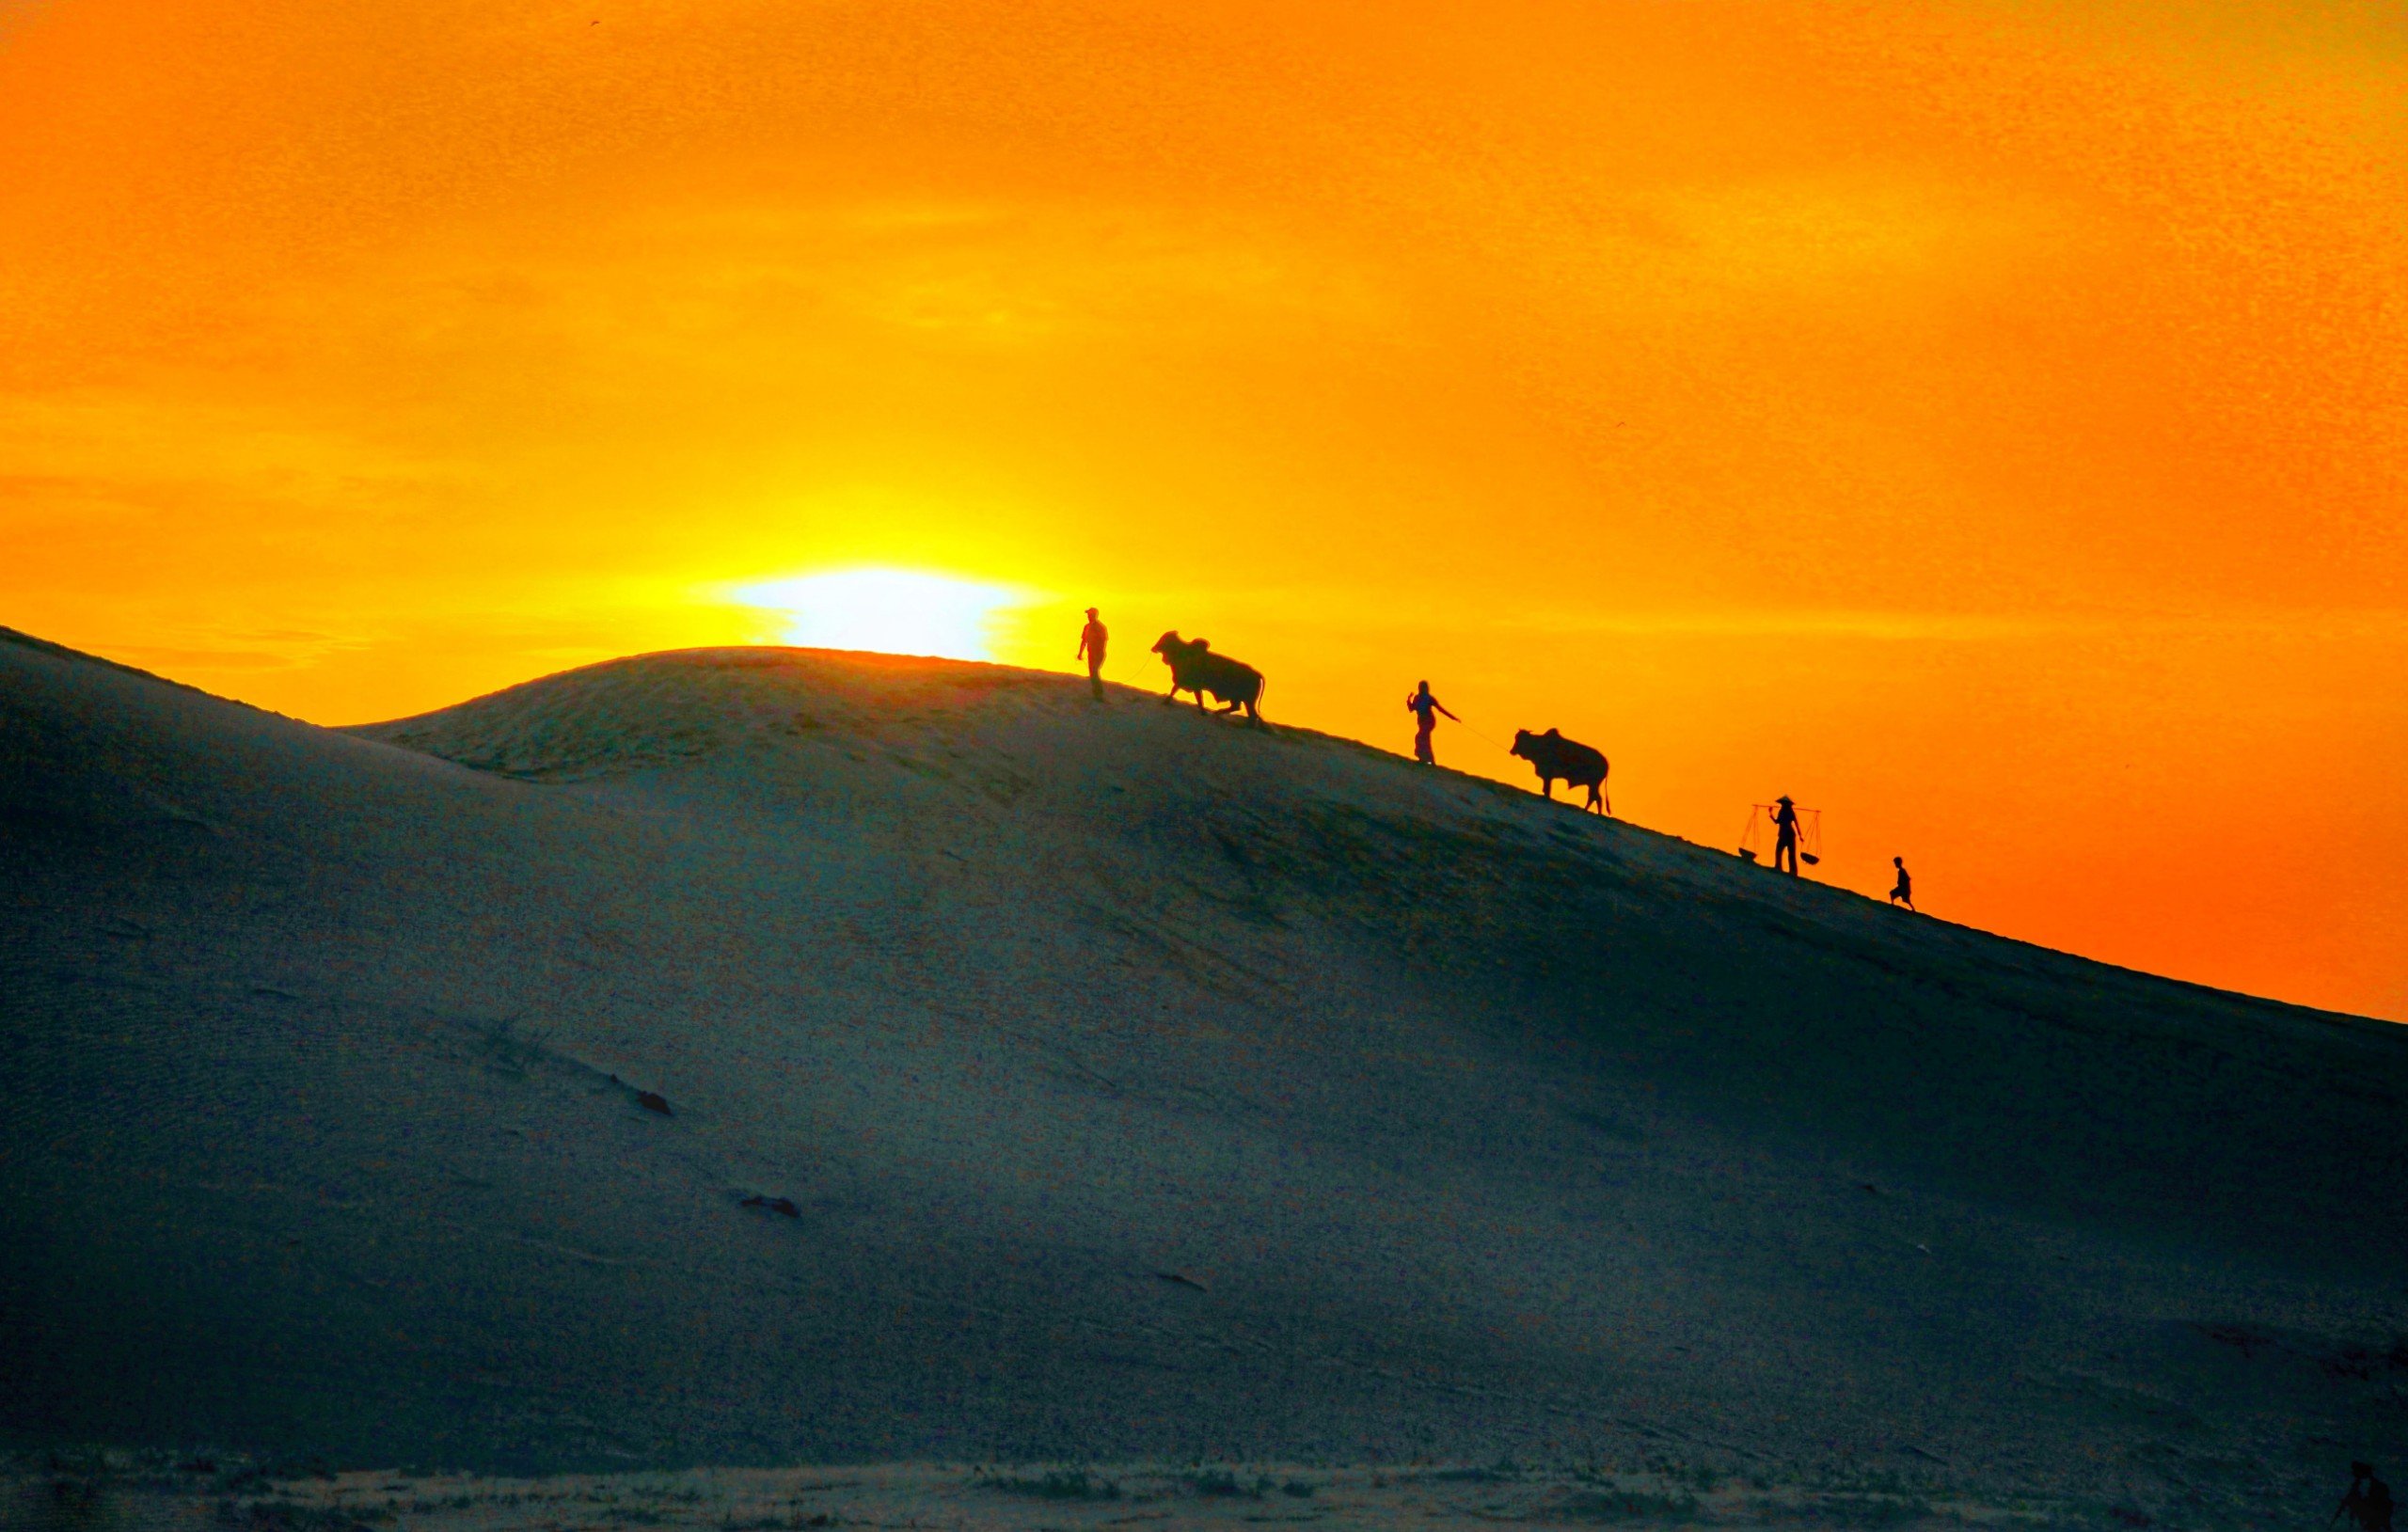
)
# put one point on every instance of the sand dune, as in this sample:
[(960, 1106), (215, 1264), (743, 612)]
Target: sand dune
[(1048, 1080)]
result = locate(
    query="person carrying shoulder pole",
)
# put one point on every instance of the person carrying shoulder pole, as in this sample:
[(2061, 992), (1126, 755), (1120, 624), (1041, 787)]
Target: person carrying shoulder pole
[(1425, 709), (1091, 643), (1785, 845)]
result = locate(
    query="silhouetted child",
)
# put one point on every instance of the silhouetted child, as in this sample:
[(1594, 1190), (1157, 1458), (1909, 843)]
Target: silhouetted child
[(1091, 642), (2369, 1502), (1905, 892), (1425, 709)]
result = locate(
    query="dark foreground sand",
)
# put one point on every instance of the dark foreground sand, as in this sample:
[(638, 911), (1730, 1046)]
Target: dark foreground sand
[(70, 1494), (764, 1057)]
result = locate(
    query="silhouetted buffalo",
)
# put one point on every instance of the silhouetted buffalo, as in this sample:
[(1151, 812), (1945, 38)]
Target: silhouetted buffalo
[(1194, 668), (1579, 764)]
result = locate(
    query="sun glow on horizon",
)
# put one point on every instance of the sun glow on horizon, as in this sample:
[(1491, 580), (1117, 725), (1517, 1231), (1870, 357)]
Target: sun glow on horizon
[(1981, 420), (893, 611)]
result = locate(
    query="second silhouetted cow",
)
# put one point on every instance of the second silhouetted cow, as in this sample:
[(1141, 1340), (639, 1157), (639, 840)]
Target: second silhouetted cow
[(1194, 668), (1579, 764)]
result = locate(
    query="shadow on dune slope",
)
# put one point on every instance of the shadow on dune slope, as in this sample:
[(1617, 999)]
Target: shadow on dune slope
[(1052, 1080)]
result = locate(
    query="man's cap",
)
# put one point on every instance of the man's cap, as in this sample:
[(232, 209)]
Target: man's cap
[(2362, 1470), (1091, 612), (1783, 798)]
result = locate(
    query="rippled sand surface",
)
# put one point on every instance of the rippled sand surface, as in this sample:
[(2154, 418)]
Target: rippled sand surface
[(775, 1057), (1023, 1498)]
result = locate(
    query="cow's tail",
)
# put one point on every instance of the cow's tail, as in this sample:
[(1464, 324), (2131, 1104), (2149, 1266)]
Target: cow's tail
[(1603, 791), (1261, 689)]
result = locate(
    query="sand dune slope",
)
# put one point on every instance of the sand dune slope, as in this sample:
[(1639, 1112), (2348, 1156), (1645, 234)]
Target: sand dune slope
[(1049, 1080)]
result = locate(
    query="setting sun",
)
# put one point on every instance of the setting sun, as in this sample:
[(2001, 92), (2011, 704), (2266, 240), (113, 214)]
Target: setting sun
[(1570, 761), (893, 611), (1982, 421)]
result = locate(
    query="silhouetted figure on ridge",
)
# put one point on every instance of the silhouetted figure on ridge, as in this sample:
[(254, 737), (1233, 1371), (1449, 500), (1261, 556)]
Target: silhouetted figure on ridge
[(1784, 823), (2369, 1502), (1904, 893), (1091, 643), (1425, 710)]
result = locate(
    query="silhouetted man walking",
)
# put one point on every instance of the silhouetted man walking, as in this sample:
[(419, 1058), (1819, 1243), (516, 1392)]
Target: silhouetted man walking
[(1785, 845), (2369, 1502), (1425, 709), (1091, 642), (1905, 892)]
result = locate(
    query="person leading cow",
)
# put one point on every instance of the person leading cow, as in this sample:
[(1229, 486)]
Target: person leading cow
[(1425, 710), (1092, 638)]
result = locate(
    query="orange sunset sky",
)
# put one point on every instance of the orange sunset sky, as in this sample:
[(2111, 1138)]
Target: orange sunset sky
[(1986, 421)]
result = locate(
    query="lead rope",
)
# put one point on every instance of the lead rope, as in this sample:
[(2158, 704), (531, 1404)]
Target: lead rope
[(1484, 738)]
